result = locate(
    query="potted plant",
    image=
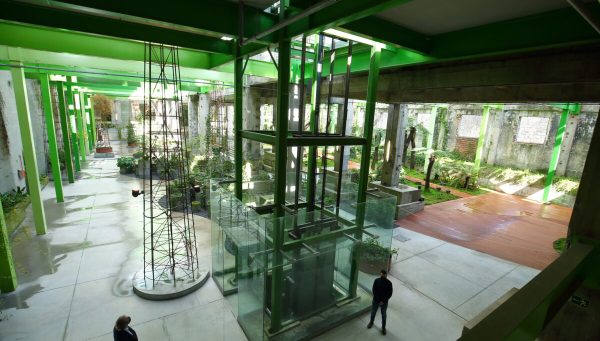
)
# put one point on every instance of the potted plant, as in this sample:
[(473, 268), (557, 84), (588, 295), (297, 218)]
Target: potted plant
[(196, 206), (126, 164), (132, 140), (372, 257)]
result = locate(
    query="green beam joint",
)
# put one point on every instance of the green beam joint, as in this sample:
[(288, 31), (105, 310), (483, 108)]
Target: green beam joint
[(64, 127), (8, 277), (51, 133), (31, 167), (365, 158), (560, 133)]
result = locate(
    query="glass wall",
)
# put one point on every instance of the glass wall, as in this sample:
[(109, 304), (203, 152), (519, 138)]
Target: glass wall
[(325, 265)]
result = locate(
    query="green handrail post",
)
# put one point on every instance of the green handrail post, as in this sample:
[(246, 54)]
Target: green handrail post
[(31, 167), (8, 277), (51, 133), (64, 127)]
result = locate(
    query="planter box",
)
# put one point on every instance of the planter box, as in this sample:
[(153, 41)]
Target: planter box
[(374, 267), (104, 150)]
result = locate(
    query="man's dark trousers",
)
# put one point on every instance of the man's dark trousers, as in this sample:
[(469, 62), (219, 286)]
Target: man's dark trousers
[(374, 308)]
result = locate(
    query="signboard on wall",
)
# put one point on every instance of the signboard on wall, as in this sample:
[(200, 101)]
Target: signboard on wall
[(469, 126), (533, 129)]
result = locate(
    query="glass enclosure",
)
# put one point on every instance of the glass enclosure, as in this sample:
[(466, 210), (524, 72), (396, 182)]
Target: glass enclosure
[(324, 265)]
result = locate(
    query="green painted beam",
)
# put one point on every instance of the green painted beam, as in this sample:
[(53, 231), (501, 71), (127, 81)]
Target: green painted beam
[(51, 134), (560, 133), (64, 127), (8, 277), (87, 122), (114, 27), (90, 66), (258, 136), (31, 167)]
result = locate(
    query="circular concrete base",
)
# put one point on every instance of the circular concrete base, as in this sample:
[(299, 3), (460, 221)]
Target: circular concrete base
[(165, 290)]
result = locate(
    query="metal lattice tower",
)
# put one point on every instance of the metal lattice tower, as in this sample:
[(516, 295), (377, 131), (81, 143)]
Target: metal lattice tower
[(171, 267)]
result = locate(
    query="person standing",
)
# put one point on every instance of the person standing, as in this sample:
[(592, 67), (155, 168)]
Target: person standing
[(122, 331), (382, 292)]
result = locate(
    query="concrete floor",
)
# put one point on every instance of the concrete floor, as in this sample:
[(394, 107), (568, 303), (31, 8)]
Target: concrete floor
[(76, 280)]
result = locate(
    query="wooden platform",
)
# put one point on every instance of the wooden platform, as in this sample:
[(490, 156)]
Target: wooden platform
[(502, 225)]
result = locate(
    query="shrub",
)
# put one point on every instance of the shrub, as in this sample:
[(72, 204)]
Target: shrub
[(12, 198), (127, 164), (131, 138), (372, 250)]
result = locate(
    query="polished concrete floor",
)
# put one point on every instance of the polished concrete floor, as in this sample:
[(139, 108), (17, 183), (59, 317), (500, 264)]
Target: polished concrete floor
[(504, 225), (76, 280)]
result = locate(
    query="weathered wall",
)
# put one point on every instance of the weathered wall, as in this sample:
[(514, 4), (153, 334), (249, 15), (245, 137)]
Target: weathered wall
[(11, 148), (502, 146)]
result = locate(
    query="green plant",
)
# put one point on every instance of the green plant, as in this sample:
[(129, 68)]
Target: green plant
[(560, 244), (12, 198), (371, 250), (131, 138), (127, 164), (120, 133)]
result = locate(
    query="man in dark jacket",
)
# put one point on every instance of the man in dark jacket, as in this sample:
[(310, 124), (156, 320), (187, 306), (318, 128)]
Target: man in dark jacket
[(382, 291)]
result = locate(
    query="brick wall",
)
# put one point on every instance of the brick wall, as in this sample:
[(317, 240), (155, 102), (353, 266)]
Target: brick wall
[(466, 146)]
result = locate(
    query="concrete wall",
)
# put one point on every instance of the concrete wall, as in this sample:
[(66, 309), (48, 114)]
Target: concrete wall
[(11, 148), (502, 146)]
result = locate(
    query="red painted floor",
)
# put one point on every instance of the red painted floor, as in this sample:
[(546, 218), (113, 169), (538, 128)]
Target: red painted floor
[(502, 225)]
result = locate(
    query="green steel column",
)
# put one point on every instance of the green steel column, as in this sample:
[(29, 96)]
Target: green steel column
[(365, 157), (64, 127), (481, 140), (238, 120), (31, 167), (312, 150), (87, 123), (73, 124), (283, 92), (52, 148), (562, 125), (8, 278), (430, 131), (92, 120), (81, 125)]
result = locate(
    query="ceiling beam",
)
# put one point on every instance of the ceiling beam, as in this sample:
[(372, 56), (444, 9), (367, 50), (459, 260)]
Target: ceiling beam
[(563, 27), (55, 17), (383, 31)]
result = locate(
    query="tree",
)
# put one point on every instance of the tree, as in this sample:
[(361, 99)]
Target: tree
[(102, 107)]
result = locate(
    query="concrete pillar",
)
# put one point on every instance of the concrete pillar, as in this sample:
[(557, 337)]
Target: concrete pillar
[(567, 144), (393, 147), (31, 168), (203, 113), (192, 115)]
